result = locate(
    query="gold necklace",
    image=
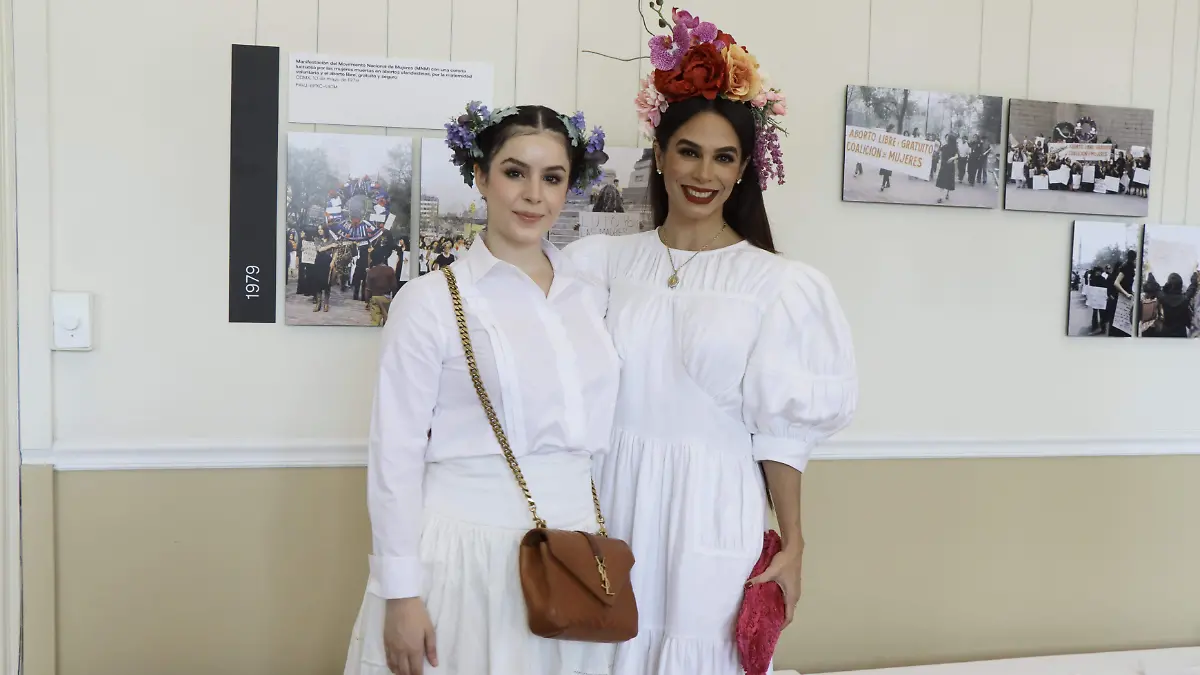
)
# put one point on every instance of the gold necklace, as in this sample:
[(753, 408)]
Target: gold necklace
[(673, 280)]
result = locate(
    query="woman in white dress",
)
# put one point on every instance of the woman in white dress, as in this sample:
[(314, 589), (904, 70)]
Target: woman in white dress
[(735, 362), (447, 515)]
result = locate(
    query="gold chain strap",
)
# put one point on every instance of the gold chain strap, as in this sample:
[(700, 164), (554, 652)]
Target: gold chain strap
[(465, 336)]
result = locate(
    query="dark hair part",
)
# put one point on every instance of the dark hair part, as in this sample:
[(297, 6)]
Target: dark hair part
[(744, 210), (528, 119)]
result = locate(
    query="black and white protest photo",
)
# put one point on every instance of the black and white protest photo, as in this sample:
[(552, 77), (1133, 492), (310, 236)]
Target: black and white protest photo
[(1104, 266), (617, 204), (1078, 158), (1170, 276), (348, 201), (905, 146)]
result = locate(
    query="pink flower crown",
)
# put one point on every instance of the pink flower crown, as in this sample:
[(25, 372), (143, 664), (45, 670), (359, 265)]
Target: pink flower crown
[(698, 59)]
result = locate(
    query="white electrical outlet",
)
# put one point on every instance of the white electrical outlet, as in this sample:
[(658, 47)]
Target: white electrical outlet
[(72, 314)]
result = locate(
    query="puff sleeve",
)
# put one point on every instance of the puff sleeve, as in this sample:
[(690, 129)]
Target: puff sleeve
[(406, 392), (801, 383)]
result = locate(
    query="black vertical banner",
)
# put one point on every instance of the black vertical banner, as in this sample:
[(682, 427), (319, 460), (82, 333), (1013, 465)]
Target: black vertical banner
[(253, 184)]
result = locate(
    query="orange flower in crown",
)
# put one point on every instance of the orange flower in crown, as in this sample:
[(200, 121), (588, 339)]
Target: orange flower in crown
[(698, 59)]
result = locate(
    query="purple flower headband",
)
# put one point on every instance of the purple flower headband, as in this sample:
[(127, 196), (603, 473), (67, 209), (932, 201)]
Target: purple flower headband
[(462, 132)]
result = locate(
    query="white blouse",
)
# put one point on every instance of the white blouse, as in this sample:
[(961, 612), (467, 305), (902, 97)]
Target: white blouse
[(547, 364), (749, 342)]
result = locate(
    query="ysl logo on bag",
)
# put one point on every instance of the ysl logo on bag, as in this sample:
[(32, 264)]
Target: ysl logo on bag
[(604, 576)]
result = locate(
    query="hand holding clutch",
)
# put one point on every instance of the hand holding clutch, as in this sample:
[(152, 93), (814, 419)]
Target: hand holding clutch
[(766, 609)]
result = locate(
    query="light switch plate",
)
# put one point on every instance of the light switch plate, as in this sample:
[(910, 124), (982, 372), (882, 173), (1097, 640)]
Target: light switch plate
[(72, 314)]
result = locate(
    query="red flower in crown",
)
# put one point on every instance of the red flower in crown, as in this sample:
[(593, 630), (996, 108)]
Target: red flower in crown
[(701, 73)]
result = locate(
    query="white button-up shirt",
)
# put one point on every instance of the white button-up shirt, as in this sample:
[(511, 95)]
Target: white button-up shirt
[(547, 363)]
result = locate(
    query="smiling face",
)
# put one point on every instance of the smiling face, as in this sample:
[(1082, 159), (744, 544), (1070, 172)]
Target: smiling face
[(700, 165), (526, 186)]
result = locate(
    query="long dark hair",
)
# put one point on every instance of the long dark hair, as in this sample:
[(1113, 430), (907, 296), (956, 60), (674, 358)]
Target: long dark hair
[(528, 119), (744, 210)]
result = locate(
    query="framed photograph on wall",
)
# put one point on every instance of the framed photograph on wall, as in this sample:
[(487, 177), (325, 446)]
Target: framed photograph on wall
[(348, 200), (1078, 158), (1170, 282), (1103, 279), (619, 204), (906, 146)]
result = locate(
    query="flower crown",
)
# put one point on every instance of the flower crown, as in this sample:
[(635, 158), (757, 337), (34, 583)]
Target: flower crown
[(462, 132), (698, 59)]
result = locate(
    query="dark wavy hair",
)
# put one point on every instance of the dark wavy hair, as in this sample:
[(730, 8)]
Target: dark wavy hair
[(528, 119), (744, 210)]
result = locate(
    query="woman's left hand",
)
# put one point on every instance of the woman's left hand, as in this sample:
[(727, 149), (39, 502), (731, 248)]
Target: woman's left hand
[(784, 570)]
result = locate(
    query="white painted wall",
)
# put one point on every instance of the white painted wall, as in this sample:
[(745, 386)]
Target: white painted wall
[(958, 315)]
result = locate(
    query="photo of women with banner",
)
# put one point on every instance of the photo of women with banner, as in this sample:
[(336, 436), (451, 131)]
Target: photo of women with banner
[(1170, 290), (348, 200), (904, 146), (1103, 277), (1077, 158)]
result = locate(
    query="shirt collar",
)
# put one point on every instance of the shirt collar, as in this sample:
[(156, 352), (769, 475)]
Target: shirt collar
[(479, 260)]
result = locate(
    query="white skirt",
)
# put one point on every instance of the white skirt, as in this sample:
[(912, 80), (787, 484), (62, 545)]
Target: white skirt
[(475, 516)]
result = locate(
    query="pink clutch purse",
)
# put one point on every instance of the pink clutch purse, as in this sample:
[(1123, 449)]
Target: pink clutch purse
[(760, 620)]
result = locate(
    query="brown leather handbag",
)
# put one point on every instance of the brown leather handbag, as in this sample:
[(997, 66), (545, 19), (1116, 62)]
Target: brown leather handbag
[(576, 584)]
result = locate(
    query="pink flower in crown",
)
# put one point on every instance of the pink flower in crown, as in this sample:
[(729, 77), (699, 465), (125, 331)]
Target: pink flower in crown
[(700, 31), (706, 32), (761, 100), (666, 51), (682, 17), (777, 101), (650, 105)]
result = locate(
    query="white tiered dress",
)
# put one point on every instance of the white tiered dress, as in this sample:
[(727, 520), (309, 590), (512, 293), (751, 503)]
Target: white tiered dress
[(749, 359)]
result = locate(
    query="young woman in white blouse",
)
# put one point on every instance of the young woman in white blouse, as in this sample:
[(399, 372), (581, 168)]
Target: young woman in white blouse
[(447, 515), (735, 362)]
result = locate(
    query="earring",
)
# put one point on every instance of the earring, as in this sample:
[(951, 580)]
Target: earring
[(660, 172), (739, 181)]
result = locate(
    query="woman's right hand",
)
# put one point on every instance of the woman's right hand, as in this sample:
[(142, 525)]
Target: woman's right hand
[(408, 636)]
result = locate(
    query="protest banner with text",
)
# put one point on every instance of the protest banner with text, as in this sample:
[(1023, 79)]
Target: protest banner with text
[(895, 152), (1081, 152)]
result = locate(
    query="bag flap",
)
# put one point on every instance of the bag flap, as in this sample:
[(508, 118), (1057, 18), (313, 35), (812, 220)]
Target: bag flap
[(574, 552)]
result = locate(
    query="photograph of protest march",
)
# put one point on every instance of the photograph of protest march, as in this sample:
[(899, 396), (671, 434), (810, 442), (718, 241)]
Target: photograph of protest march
[(347, 205), (1078, 158), (905, 146), (618, 204), (1103, 278), (1170, 277), (452, 213)]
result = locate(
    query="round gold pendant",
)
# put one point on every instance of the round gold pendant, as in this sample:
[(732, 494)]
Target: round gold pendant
[(672, 281)]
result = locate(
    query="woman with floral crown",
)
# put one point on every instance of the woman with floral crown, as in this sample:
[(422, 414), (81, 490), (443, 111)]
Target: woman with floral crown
[(736, 362), (447, 517)]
